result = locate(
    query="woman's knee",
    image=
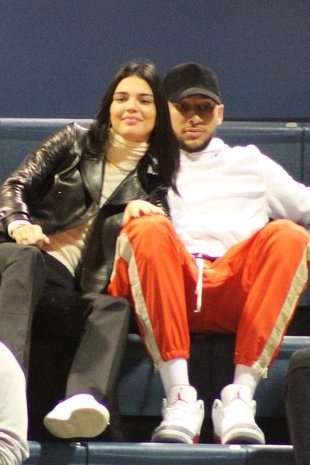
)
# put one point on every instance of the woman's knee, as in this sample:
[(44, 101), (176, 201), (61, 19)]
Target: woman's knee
[(12, 254), (32, 259)]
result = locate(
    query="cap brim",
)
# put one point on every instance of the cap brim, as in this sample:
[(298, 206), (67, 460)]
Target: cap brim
[(177, 96)]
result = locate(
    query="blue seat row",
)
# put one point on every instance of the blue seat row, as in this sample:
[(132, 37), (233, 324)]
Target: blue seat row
[(163, 454), (286, 143)]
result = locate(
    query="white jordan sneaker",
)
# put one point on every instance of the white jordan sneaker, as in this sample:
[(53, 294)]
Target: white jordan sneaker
[(183, 416), (233, 417)]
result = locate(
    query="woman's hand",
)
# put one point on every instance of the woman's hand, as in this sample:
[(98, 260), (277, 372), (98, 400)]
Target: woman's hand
[(137, 208), (30, 234)]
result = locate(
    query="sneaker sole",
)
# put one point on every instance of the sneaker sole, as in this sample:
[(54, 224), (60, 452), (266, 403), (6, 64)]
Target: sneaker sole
[(174, 435), (243, 435), (82, 423)]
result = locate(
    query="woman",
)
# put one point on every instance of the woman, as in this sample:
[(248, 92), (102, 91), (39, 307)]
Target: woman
[(69, 199)]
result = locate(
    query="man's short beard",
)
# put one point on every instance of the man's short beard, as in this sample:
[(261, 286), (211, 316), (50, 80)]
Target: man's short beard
[(190, 149)]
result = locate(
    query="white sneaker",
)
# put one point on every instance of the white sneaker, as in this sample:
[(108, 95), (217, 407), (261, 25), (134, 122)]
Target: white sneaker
[(79, 416), (182, 414), (233, 417)]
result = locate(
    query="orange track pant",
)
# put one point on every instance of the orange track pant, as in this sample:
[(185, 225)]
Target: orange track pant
[(252, 291)]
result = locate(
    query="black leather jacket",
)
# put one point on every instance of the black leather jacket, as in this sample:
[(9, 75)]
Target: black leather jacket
[(55, 187)]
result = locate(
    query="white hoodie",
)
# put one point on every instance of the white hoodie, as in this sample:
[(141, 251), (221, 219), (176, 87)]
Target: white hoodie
[(228, 193)]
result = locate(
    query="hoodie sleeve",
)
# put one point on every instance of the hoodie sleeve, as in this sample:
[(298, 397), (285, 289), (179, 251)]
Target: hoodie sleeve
[(286, 197)]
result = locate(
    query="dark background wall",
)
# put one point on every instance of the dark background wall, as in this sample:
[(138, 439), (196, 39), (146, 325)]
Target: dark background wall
[(57, 56)]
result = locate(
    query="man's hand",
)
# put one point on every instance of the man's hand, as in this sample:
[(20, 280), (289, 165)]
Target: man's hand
[(30, 234), (137, 208)]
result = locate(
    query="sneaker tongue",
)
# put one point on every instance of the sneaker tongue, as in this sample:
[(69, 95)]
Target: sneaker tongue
[(235, 392), (182, 393)]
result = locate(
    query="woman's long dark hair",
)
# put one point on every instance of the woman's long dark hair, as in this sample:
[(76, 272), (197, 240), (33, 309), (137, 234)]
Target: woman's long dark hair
[(163, 145)]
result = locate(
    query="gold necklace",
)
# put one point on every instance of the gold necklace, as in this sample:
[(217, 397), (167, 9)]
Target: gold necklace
[(117, 167)]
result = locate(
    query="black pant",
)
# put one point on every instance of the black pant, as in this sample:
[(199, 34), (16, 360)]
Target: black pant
[(22, 272), (96, 323), (298, 404), (74, 335), (77, 347)]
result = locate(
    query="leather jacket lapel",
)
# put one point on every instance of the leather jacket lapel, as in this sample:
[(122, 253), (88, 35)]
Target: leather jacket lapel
[(129, 189), (92, 174)]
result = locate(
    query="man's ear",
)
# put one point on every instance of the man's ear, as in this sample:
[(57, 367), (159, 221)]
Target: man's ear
[(220, 114)]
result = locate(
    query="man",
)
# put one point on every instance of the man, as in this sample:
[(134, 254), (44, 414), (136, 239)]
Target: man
[(13, 410), (223, 268)]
